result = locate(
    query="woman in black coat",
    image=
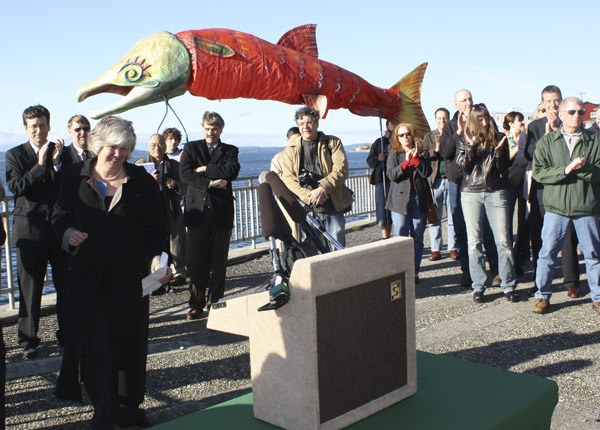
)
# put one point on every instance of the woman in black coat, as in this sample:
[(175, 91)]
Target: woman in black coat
[(408, 167), (108, 218)]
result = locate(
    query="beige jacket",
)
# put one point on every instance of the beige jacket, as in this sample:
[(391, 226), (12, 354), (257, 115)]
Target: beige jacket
[(335, 170)]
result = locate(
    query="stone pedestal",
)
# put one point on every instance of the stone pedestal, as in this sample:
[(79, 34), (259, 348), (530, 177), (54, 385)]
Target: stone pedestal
[(343, 348)]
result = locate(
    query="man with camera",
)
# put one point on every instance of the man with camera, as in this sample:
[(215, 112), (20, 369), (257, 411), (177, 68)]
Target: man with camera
[(32, 176), (315, 168)]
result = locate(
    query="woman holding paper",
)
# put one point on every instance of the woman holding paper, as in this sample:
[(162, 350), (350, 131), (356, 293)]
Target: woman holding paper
[(108, 218)]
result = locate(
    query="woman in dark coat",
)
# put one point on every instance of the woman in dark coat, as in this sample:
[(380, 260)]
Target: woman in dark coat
[(408, 167), (108, 218)]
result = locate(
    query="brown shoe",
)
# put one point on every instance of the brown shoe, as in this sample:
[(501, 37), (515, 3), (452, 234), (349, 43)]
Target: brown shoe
[(596, 307), (194, 314), (573, 292), (496, 281), (454, 254), (435, 256), (540, 306)]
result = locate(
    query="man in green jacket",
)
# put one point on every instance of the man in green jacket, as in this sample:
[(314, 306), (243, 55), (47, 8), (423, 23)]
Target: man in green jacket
[(567, 162)]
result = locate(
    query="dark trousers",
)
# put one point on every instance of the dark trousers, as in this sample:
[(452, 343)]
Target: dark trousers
[(570, 259), (114, 373), (460, 232), (208, 251), (32, 263)]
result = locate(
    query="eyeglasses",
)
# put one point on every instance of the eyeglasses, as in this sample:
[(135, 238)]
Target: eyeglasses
[(402, 135), (78, 129), (156, 145), (572, 112), (307, 123)]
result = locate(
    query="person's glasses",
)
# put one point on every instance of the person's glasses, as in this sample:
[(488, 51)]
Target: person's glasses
[(307, 123), (78, 129), (402, 135), (572, 112)]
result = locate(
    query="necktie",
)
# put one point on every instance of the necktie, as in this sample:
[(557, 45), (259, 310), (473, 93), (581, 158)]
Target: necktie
[(85, 155)]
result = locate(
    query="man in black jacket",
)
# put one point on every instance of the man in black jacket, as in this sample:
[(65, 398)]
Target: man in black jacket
[(32, 176), (376, 161), (79, 130), (208, 167)]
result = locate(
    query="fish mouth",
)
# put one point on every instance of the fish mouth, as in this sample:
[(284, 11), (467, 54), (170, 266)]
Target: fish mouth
[(155, 69)]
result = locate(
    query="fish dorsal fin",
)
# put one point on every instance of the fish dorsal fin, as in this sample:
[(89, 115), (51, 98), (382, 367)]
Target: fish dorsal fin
[(318, 102), (213, 48), (302, 39), (409, 88)]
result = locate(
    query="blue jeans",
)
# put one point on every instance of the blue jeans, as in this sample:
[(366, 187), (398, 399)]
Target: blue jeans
[(494, 204), (384, 217), (460, 231), (553, 236), (335, 224), (411, 225), (441, 197)]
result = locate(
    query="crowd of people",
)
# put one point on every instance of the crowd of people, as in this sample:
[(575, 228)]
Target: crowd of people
[(481, 172), (103, 222)]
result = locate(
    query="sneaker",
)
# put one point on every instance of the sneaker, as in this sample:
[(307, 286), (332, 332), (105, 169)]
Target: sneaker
[(478, 296), (512, 296), (540, 306), (496, 281), (596, 307)]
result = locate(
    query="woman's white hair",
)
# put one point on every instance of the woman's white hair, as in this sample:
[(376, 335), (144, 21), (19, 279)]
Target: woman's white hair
[(113, 131)]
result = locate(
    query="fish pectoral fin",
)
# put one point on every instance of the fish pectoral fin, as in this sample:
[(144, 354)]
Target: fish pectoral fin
[(318, 102), (213, 48), (409, 89), (302, 39)]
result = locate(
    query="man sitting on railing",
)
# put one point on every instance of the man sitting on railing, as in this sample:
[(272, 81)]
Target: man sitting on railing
[(315, 168)]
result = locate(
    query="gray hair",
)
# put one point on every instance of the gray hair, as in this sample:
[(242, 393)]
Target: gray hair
[(113, 131), (307, 111), (567, 100), (213, 118)]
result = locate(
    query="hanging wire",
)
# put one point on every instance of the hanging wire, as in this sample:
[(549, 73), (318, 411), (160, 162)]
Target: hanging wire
[(167, 107)]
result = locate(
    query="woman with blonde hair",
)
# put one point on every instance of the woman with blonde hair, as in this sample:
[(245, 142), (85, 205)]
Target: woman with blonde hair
[(484, 158), (408, 167)]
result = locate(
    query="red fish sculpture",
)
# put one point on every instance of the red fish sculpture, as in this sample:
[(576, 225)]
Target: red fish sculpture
[(226, 64)]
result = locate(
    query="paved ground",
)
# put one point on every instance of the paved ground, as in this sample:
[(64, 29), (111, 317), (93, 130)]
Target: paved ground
[(190, 368)]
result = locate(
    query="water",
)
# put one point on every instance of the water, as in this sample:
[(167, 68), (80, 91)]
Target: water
[(253, 160)]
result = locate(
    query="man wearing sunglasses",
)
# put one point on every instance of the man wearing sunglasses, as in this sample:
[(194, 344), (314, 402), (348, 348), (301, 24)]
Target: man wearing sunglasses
[(566, 162), (551, 98), (79, 130)]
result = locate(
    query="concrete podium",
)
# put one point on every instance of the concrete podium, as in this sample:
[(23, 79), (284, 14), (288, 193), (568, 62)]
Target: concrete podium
[(343, 348)]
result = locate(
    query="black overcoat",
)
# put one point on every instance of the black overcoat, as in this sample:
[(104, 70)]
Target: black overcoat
[(104, 273)]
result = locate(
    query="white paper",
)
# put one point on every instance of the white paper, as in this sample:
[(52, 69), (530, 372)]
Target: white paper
[(152, 281), (148, 166)]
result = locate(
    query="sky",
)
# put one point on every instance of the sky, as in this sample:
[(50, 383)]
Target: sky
[(505, 53)]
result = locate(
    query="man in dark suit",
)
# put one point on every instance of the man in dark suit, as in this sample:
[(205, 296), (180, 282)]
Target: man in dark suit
[(208, 167), (551, 98), (32, 177), (79, 130)]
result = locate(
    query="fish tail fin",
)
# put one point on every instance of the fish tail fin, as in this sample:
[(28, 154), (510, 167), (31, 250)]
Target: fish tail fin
[(409, 89)]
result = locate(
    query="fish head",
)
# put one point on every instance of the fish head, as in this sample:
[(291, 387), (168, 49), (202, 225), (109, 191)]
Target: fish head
[(155, 69)]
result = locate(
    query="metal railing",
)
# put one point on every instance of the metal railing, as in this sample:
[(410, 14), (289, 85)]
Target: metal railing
[(247, 227)]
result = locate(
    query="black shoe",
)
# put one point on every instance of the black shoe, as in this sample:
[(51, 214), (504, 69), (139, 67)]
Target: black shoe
[(478, 296), (531, 292), (512, 296), (30, 354), (178, 280)]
